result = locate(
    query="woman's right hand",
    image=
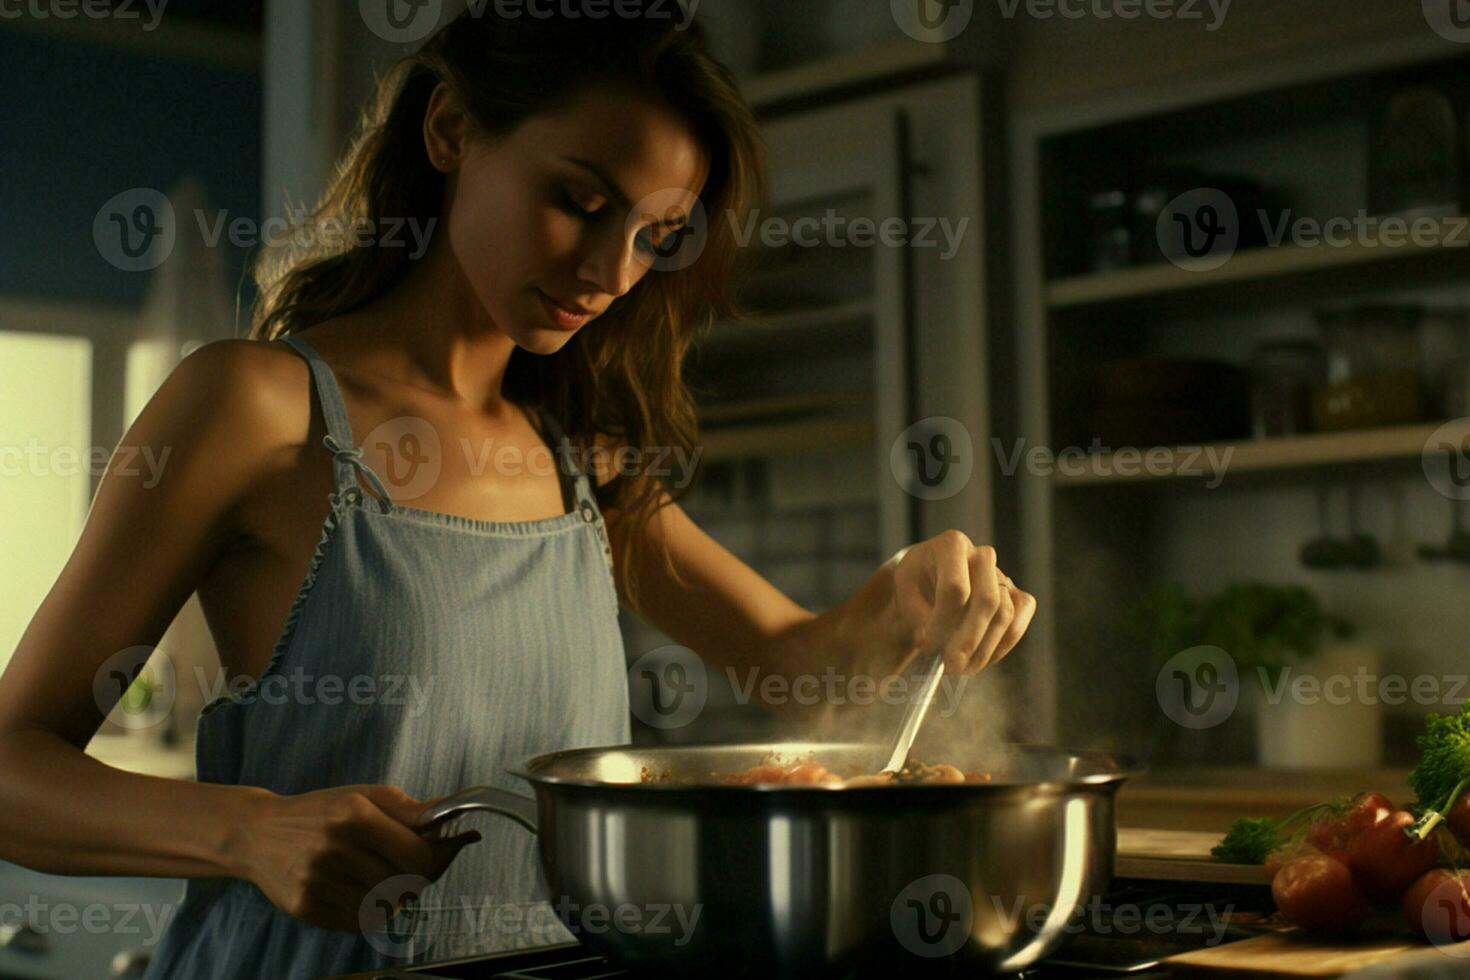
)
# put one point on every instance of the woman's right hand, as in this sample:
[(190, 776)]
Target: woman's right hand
[(318, 855)]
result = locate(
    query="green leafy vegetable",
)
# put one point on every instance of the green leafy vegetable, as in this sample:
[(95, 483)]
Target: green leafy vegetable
[(1249, 841), (1443, 771)]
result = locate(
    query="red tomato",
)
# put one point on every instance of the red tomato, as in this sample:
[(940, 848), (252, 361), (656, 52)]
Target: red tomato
[(1437, 906), (1286, 852), (1458, 819), (810, 774), (1319, 894), (1385, 860), (766, 773), (1334, 835), (1368, 810)]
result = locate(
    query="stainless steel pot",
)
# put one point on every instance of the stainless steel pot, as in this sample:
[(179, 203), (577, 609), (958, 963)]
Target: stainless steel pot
[(792, 881)]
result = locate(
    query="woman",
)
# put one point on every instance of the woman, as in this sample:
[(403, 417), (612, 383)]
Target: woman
[(533, 321)]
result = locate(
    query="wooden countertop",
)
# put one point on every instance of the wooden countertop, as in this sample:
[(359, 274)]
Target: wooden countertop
[(1178, 855), (1210, 799)]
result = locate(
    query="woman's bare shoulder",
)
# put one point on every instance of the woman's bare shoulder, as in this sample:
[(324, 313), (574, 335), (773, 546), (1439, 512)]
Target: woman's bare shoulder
[(244, 361), (238, 406)]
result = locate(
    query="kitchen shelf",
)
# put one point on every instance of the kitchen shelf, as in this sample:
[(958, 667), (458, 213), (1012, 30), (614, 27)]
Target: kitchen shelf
[(715, 415), (815, 328), (1264, 455), (1319, 271), (1305, 132), (844, 70), (814, 435)]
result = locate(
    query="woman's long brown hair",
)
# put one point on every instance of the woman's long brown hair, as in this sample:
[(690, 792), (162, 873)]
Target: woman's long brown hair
[(621, 378)]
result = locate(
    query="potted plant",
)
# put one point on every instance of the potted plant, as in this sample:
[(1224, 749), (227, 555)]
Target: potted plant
[(1303, 677)]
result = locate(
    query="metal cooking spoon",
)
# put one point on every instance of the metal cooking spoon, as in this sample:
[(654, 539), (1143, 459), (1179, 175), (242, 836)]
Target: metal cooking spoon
[(913, 718)]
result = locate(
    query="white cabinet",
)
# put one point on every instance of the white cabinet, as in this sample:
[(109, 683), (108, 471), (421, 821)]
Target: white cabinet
[(869, 282)]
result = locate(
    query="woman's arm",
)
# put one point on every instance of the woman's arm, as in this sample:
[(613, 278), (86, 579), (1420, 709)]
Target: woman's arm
[(141, 553), (220, 420), (942, 594)]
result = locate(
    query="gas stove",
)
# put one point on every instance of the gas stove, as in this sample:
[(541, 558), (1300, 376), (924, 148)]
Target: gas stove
[(1130, 932)]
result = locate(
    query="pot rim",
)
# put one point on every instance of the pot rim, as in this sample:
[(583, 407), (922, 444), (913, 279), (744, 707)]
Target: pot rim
[(1117, 768)]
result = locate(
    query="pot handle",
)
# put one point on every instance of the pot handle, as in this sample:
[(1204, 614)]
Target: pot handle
[(521, 809)]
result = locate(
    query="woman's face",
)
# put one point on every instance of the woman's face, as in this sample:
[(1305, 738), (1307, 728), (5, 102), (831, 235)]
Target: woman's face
[(542, 222)]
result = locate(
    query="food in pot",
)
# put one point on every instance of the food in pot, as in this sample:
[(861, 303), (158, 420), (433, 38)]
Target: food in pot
[(807, 771)]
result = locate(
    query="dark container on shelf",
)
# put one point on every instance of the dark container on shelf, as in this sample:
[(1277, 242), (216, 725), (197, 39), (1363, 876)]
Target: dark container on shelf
[(1254, 207), (1111, 246), (1284, 374), (1153, 193), (1165, 401), (1374, 375), (1416, 161)]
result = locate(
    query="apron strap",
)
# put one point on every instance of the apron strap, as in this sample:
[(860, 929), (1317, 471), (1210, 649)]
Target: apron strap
[(566, 461), (346, 455)]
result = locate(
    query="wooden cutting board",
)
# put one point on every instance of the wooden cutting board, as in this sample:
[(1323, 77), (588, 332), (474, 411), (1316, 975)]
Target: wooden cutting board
[(1289, 953), (1177, 855)]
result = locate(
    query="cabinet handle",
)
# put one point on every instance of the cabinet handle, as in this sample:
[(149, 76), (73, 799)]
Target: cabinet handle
[(24, 938)]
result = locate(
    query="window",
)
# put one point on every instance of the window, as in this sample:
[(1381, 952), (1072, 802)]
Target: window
[(45, 468)]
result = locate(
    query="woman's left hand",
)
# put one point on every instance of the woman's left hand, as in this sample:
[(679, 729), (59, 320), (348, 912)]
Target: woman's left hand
[(948, 594)]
